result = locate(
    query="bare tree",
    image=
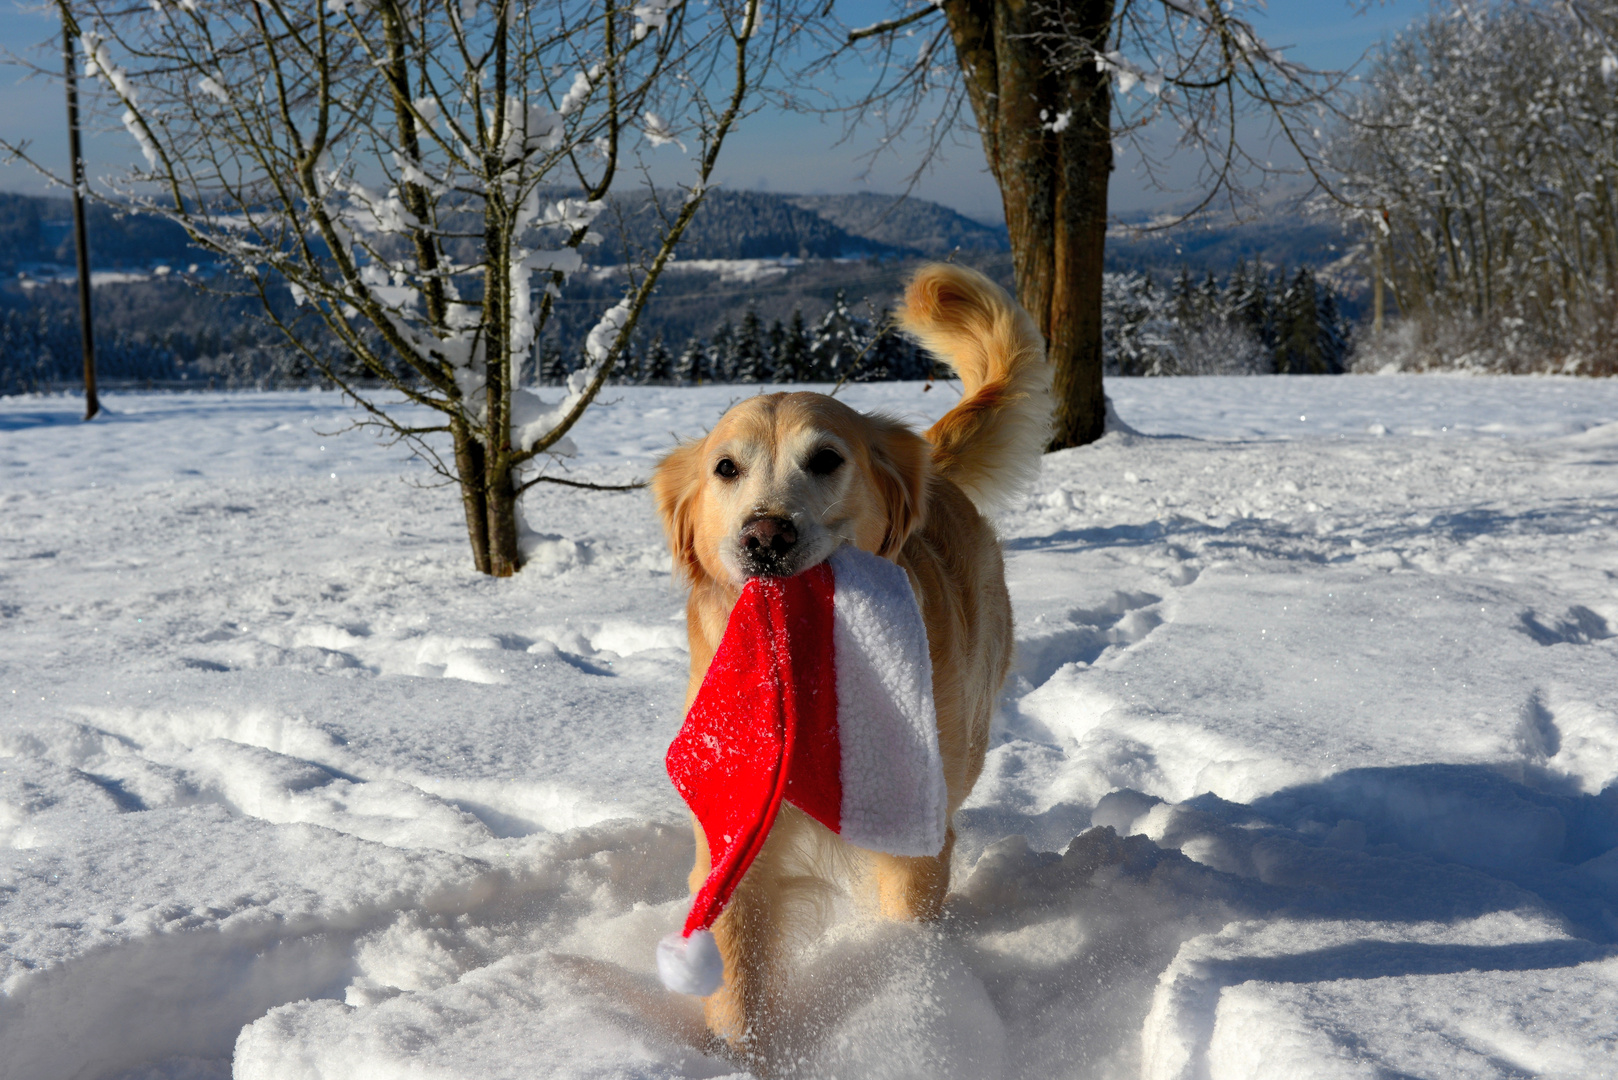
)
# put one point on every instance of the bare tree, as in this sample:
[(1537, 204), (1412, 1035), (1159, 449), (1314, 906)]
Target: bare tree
[(1053, 87), (423, 178)]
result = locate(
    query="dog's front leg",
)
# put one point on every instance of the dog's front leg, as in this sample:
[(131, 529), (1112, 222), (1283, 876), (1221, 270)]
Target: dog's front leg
[(749, 936), (913, 887), (703, 862)]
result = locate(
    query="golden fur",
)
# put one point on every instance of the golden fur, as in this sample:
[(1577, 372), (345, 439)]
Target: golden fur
[(911, 499)]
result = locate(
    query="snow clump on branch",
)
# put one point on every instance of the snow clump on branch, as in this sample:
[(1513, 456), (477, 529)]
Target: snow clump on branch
[(532, 419), (98, 63), (214, 89), (579, 93), (530, 130), (652, 15)]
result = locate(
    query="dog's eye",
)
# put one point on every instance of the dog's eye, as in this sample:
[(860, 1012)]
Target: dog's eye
[(726, 468), (825, 461)]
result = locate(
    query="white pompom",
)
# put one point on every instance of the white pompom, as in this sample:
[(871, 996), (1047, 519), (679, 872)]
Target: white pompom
[(690, 965)]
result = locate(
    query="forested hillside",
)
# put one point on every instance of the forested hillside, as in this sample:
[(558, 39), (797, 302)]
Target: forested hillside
[(766, 287), (36, 230)]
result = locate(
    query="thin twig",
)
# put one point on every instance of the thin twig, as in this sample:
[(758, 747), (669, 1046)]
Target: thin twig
[(585, 484)]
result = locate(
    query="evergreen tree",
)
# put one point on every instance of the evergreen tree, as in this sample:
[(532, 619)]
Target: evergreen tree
[(1247, 302), (1334, 330), (793, 361), (659, 369), (837, 341), (722, 354), (627, 371), (692, 367), (1300, 335), (774, 345), (1184, 293), (1208, 301), (885, 358), (552, 372), (748, 364)]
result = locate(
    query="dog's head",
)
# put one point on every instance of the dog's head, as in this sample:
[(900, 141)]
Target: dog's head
[(782, 481)]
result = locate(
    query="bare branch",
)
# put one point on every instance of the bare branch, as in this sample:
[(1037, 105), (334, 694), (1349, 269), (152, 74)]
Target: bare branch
[(889, 26), (637, 485)]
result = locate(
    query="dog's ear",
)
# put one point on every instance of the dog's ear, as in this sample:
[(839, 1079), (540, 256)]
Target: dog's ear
[(901, 464), (675, 484)]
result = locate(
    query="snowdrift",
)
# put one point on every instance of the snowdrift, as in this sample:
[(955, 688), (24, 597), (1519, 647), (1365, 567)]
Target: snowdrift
[(1309, 766)]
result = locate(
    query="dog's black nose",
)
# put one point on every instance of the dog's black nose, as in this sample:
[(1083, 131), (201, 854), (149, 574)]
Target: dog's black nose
[(768, 538)]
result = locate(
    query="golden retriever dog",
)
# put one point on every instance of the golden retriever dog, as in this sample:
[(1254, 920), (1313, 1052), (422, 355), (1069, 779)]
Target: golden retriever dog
[(779, 483)]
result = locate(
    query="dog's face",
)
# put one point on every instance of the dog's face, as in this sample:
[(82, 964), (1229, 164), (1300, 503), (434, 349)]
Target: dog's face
[(782, 481)]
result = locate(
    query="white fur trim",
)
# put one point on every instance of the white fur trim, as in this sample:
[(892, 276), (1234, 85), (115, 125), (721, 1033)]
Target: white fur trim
[(894, 798), (690, 965)]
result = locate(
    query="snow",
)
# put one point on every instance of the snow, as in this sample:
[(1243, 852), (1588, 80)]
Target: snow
[(1309, 767), (98, 278), (730, 271)]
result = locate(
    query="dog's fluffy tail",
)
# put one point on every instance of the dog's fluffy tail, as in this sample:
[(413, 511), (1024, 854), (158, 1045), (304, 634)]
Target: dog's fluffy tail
[(990, 443)]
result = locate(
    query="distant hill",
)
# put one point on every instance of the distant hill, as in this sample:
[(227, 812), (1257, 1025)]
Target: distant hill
[(764, 225), (915, 225), (732, 225), (740, 225), (1280, 242), (39, 229)]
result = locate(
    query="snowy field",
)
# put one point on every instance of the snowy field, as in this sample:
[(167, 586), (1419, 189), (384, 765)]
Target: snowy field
[(288, 791)]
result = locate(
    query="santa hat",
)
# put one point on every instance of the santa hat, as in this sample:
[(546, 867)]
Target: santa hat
[(821, 693)]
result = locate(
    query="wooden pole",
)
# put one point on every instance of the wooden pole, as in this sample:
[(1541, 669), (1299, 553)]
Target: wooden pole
[(92, 404)]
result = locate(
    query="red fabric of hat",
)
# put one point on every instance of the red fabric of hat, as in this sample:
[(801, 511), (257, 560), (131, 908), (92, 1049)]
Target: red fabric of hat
[(769, 701)]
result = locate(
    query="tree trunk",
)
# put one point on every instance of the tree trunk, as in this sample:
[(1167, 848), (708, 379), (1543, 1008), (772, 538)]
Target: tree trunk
[(1053, 182), (494, 527), (490, 502), (501, 501), (474, 499)]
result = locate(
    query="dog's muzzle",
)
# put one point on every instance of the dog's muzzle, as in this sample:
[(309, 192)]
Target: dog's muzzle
[(769, 547)]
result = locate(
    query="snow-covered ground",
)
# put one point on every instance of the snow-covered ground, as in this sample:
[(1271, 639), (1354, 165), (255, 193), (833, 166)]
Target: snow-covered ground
[(287, 790)]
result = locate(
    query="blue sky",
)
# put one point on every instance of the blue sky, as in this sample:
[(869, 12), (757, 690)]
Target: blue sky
[(773, 151)]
